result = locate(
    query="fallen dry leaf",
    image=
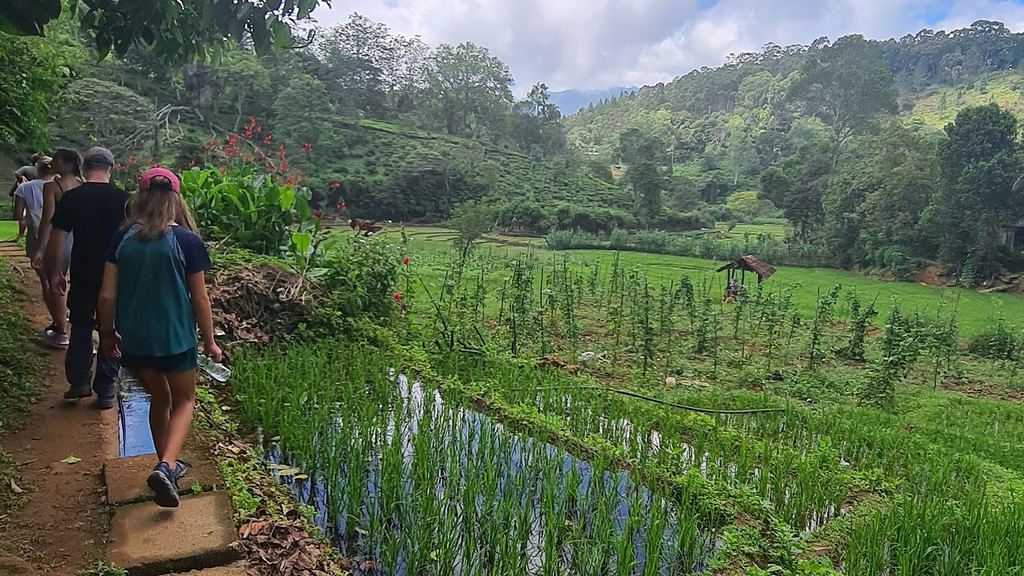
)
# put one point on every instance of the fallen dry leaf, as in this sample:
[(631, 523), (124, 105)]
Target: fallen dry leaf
[(15, 488), (71, 460)]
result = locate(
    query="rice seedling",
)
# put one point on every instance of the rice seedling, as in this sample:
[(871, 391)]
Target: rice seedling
[(394, 459)]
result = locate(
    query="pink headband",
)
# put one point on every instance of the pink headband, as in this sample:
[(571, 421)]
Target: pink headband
[(159, 172)]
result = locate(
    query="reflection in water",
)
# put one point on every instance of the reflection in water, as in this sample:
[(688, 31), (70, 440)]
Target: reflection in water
[(133, 420)]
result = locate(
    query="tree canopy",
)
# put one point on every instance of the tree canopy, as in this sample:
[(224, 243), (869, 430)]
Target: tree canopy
[(176, 31)]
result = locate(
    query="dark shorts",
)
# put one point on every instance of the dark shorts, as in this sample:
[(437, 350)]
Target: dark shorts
[(175, 364)]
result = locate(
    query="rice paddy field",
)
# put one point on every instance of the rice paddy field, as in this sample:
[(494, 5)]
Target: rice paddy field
[(598, 413)]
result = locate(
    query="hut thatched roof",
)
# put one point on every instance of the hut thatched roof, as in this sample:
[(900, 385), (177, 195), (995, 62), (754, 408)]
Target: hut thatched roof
[(751, 264)]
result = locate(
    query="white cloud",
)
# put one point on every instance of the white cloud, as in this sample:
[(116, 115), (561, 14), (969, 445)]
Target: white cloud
[(600, 43)]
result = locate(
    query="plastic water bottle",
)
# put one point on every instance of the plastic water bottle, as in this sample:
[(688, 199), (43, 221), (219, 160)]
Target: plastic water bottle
[(217, 371)]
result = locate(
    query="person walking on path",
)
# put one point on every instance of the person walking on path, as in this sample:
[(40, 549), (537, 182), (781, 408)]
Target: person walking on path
[(67, 175), (24, 174), (153, 294), (93, 212), (28, 210)]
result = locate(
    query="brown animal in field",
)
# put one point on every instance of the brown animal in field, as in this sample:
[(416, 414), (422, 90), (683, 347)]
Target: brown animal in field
[(365, 227)]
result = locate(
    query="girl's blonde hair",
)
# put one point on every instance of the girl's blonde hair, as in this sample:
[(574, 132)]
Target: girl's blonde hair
[(156, 208)]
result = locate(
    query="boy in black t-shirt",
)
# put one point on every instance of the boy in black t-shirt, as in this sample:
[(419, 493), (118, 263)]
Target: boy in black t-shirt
[(94, 212)]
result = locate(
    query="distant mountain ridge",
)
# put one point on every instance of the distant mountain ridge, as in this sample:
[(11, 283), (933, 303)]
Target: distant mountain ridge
[(572, 101)]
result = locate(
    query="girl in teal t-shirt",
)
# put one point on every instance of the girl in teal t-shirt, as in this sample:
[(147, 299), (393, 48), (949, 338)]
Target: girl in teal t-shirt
[(153, 294)]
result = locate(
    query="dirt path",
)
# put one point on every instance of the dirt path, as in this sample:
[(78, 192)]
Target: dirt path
[(62, 523)]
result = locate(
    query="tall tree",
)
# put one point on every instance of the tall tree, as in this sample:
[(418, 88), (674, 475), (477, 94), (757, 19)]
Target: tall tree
[(473, 89), (644, 154), (537, 123), (979, 162), (301, 111), (358, 55), (29, 84), (847, 86), (802, 206)]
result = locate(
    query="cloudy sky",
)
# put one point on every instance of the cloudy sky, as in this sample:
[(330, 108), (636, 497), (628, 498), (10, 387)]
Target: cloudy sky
[(601, 43)]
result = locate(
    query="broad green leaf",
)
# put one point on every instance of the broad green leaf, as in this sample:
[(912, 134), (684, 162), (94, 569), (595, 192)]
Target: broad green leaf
[(302, 242)]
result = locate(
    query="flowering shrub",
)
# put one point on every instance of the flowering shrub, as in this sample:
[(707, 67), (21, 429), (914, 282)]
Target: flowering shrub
[(250, 194), (252, 209)]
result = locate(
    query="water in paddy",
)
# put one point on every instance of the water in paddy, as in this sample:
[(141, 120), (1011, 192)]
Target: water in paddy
[(439, 485), (133, 420)]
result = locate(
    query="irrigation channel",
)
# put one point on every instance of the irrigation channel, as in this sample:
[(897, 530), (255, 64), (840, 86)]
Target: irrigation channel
[(441, 486), (133, 419)]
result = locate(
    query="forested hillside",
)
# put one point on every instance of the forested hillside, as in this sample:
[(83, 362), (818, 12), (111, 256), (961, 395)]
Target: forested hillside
[(386, 125), (848, 139)]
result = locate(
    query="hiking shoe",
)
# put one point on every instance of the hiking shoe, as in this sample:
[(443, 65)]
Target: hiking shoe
[(55, 339), (162, 482), (105, 402), (77, 393), (181, 468)]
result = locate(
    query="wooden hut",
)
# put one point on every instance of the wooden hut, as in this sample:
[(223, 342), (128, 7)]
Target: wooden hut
[(744, 264)]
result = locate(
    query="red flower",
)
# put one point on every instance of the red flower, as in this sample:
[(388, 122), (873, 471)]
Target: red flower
[(131, 159), (267, 140), (306, 148), (335, 185), (396, 296), (281, 154), (405, 261), (340, 206)]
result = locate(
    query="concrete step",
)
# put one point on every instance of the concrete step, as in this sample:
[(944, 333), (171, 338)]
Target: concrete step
[(147, 540), (126, 477)]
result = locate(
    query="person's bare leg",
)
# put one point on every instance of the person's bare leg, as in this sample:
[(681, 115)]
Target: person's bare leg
[(159, 408), (56, 304), (183, 404)]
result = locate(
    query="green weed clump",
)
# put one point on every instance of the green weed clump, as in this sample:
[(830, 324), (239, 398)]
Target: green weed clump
[(999, 341)]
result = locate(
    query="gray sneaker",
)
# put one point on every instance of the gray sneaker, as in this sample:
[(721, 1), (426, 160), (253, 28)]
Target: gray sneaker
[(56, 339)]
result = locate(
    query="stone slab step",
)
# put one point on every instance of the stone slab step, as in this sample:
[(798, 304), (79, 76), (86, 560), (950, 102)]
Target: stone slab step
[(147, 540), (126, 477)]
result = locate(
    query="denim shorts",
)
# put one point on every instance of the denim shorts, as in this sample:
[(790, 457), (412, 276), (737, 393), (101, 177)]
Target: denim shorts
[(175, 364)]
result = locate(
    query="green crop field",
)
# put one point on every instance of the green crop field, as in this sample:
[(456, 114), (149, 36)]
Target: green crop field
[(610, 413), (738, 231), (976, 311)]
